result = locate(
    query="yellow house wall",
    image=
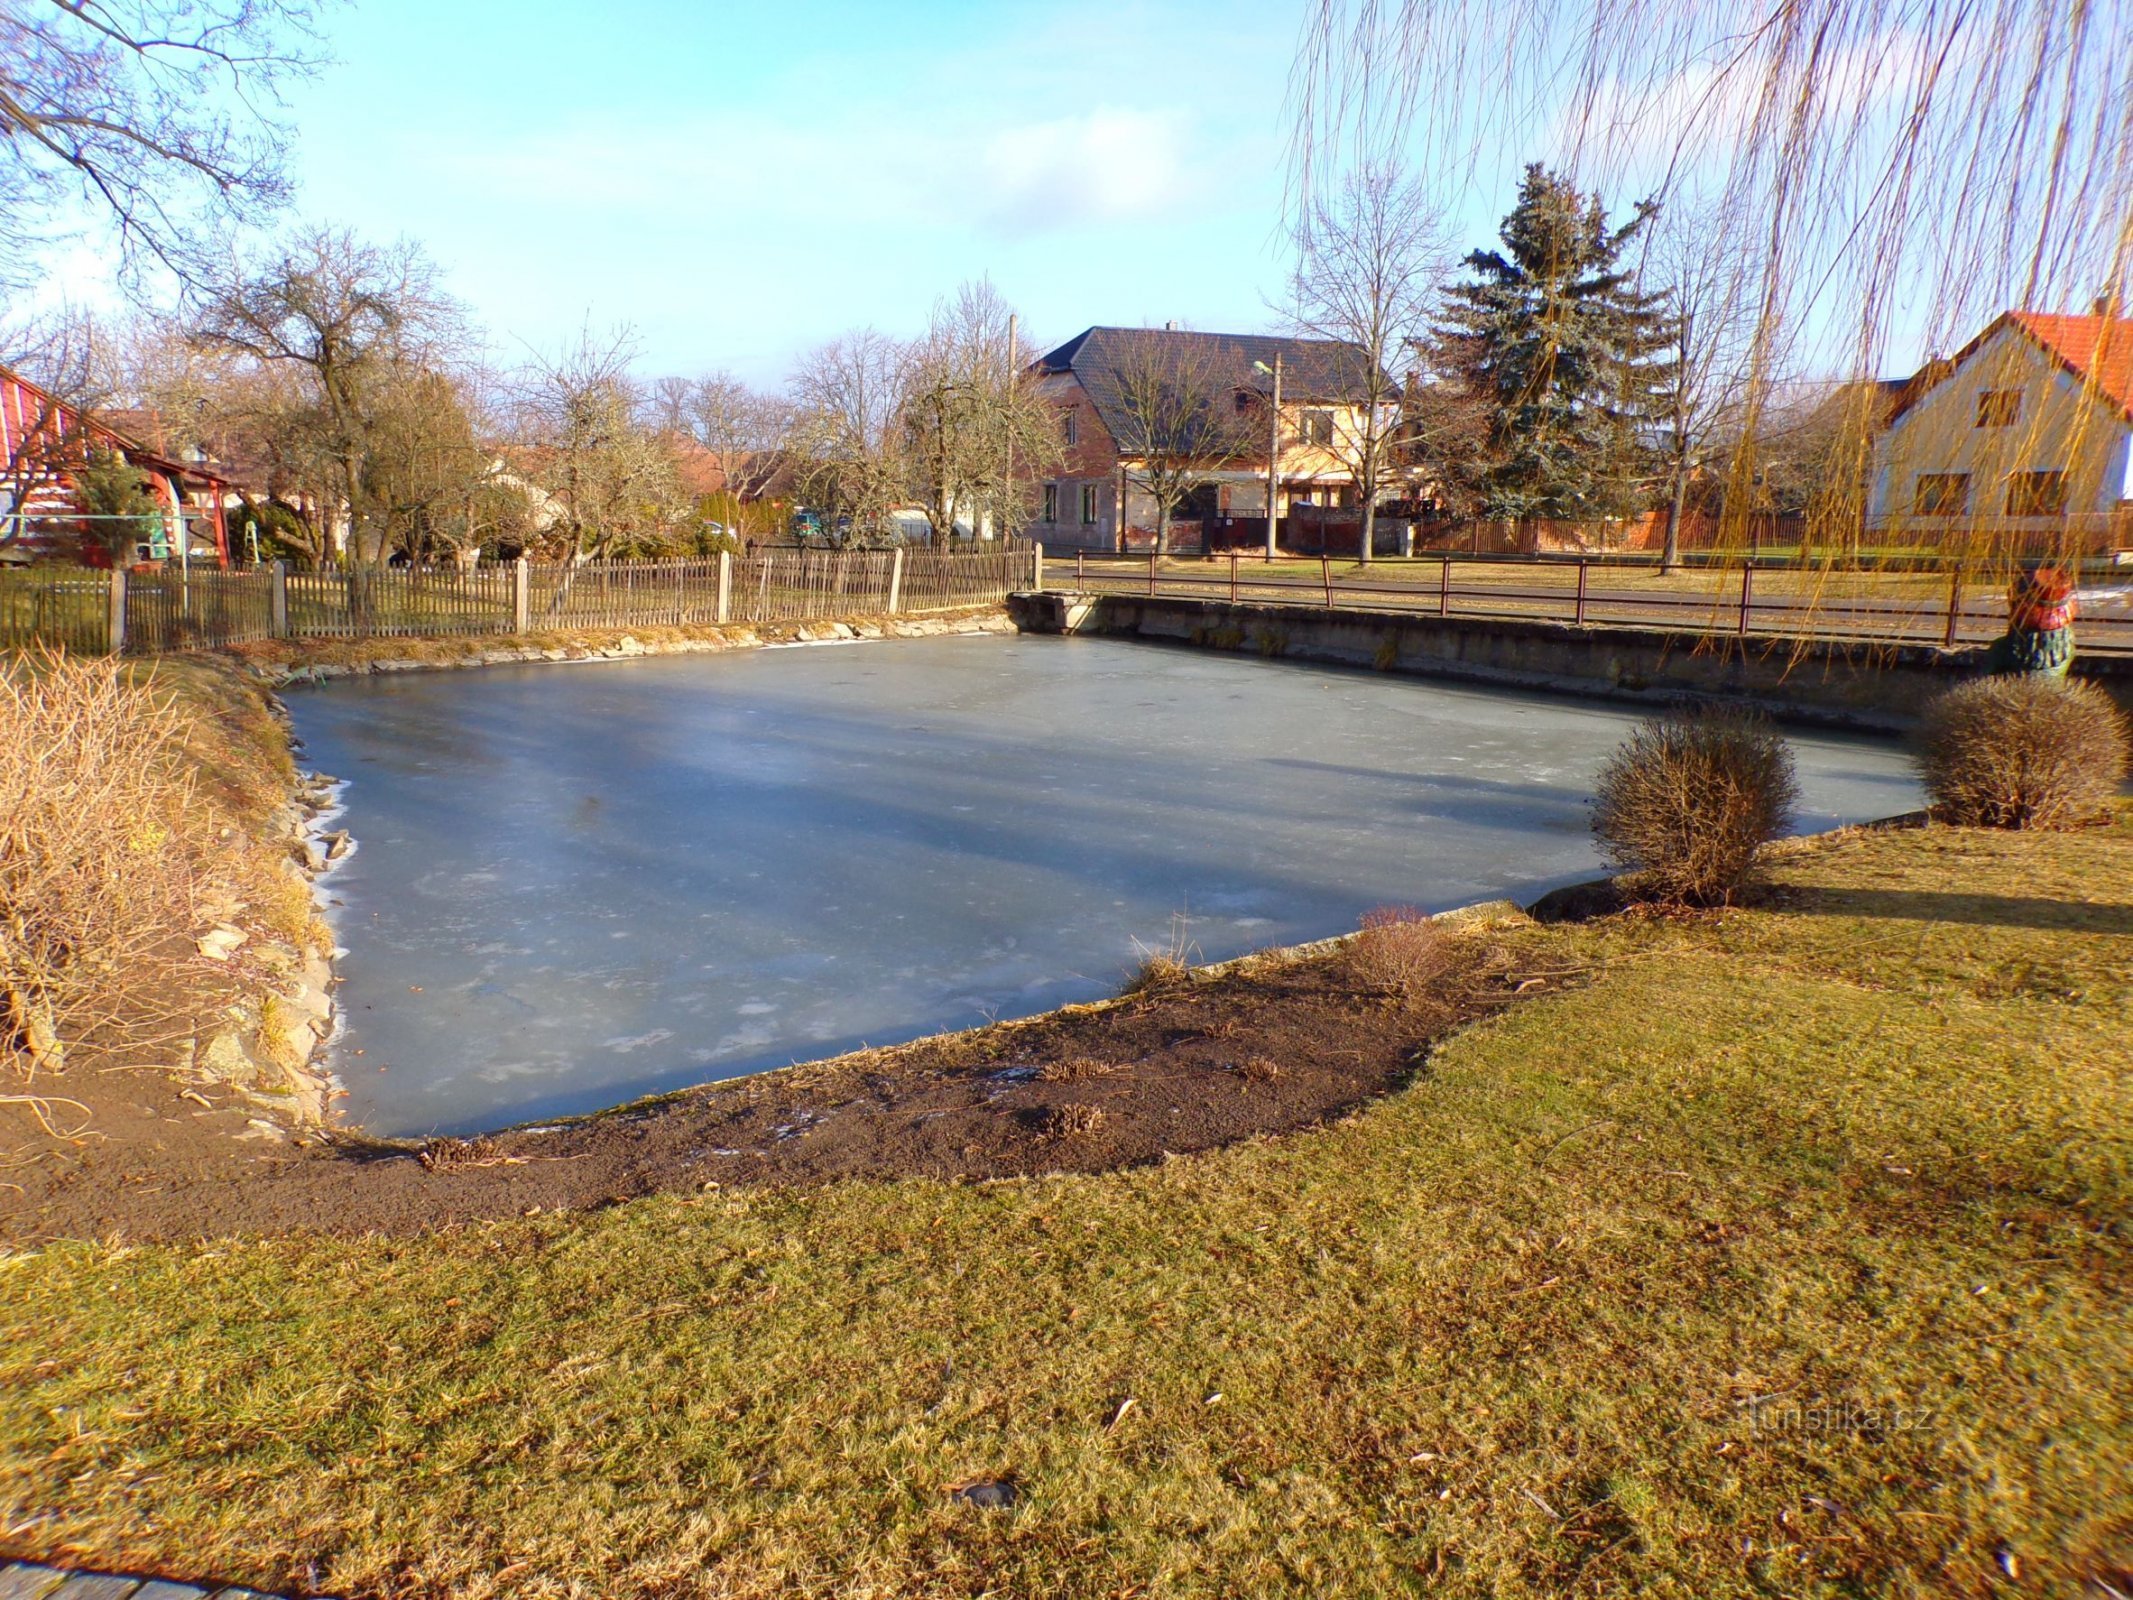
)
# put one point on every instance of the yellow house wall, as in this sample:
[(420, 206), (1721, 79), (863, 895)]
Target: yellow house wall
[(2059, 429)]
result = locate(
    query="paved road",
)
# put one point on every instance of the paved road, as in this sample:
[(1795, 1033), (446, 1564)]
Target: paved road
[(23, 1581)]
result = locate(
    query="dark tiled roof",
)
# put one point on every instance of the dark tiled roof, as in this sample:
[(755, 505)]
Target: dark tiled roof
[(1311, 369)]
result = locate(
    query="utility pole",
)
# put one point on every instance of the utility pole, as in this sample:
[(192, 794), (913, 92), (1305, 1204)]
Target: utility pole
[(1273, 463), (1008, 489)]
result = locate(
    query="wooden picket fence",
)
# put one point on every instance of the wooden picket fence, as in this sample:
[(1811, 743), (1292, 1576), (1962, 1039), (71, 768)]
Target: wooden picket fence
[(146, 613)]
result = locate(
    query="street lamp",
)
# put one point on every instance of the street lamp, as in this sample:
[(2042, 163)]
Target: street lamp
[(1273, 452)]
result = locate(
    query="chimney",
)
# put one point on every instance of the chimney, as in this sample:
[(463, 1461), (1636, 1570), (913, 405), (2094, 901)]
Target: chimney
[(1170, 327)]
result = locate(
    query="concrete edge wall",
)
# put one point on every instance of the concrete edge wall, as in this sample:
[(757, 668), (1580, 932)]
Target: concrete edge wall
[(1877, 687)]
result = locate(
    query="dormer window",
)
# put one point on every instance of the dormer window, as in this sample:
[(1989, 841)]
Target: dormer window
[(1999, 408)]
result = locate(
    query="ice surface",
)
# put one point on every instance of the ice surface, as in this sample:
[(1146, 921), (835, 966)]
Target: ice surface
[(576, 887)]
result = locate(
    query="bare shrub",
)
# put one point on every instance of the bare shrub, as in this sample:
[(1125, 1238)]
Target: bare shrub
[(1398, 949), (2022, 752), (1687, 802), (100, 848), (1073, 1121), (1259, 1069)]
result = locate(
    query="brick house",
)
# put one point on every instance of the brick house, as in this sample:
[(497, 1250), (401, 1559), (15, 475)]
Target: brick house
[(1080, 507)]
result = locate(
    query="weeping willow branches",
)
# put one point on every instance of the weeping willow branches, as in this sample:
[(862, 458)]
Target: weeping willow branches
[(1973, 154), (1897, 172)]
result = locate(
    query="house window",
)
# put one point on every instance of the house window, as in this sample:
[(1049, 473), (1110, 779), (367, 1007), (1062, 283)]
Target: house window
[(1998, 408), (2036, 494), (1941, 494), (1072, 426), (1318, 428), (1051, 502), (1088, 505)]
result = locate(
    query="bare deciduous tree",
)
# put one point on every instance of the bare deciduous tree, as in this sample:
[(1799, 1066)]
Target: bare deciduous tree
[(1370, 254), (358, 322), (1176, 400), (742, 429), (613, 478), (976, 436), (148, 110), (1698, 257), (847, 433)]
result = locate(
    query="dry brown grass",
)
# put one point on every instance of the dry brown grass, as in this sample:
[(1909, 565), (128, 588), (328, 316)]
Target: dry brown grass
[(1398, 949), (447, 1154), (1075, 1069), (103, 853), (2022, 752), (1687, 802)]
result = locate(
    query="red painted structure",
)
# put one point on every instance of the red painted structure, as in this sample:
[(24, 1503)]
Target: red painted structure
[(44, 442)]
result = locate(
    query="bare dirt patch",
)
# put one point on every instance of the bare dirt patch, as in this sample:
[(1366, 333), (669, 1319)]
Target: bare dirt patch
[(1185, 1066)]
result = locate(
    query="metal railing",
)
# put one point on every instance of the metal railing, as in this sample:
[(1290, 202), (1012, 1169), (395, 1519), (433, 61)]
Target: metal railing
[(1947, 608)]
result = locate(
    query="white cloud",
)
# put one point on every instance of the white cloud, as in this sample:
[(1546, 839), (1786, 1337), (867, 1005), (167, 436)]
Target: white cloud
[(1106, 165)]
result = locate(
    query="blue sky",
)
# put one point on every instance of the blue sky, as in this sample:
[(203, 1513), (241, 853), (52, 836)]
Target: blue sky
[(739, 182)]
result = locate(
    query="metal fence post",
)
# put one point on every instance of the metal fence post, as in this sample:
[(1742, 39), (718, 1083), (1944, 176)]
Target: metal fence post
[(1444, 589), (1955, 605), (1151, 573), (1325, 572), (117, 611), (1233, 577), (521, 597), (1581, 591), (278, 600), (1747, 592), (725, 586), (896, 579)]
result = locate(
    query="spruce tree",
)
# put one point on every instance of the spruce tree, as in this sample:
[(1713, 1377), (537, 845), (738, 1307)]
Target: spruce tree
[(1566, 355)]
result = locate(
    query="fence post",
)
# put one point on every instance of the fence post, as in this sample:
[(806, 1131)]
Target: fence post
[(1079, 580), (1036, 566), (1747, 592), (725, 586), (1151, 574), (896, 579), (118, 608), (1233, 577), (1955, 605), (1444, 589), (1582, 564), (1325, 572), (521, 597), (278, 600)]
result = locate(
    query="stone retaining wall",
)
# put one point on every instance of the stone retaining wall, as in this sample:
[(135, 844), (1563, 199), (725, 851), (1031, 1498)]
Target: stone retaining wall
[(1880, 687)]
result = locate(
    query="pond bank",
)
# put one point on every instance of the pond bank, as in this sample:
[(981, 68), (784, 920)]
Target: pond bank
[(1193, 1060), (318, 660)]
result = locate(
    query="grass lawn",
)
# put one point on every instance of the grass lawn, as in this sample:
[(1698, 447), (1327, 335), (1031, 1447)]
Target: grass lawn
[(1784, 1254)]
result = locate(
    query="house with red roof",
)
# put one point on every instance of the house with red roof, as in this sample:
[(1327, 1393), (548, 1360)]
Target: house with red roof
[(2024, 436), (46, 443)]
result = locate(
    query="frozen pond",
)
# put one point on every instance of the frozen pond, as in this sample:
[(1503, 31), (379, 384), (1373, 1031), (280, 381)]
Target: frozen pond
[(575, 885)]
